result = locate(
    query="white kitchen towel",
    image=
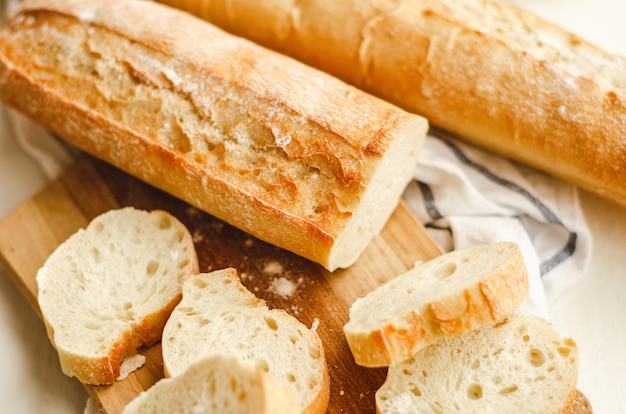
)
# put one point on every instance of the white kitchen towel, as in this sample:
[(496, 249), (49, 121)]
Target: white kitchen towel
[(465, 196), (52, 154)]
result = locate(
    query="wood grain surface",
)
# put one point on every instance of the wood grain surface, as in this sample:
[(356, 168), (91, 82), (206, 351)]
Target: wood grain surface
[(29, 234)]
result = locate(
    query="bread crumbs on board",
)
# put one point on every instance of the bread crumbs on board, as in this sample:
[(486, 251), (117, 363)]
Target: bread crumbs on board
[(283, 287), (315, 324), (273, 267)]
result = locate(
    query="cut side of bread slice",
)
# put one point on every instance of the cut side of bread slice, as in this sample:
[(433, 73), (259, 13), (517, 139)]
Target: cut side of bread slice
[(519, 364), (110, 287), (446, 296), (219, 315), (220, 384)]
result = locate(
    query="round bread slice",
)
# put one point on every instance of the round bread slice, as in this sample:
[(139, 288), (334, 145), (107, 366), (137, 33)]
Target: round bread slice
[(220, 384), (110, 287), (449, 295), (218, 315), (517, 365)]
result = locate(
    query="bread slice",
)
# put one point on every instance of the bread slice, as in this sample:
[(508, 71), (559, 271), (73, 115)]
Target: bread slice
[(220, 384), (280, 150), (517, 365), (447, 296), (218, 315), (110, 287)]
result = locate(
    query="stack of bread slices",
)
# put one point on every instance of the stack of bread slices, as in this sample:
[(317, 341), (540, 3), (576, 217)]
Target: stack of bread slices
[(117, 285), (448, 329), (454, 341)]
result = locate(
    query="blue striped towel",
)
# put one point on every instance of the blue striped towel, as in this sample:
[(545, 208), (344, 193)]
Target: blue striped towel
[(466, 196)]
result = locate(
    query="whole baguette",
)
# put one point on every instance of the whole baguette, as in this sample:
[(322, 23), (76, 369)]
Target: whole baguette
[(282, 151), (492, 73)]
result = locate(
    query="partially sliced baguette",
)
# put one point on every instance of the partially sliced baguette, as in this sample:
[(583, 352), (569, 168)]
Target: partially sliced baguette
[(109, 289), (280, 150), (220, 384), (517, 365), (218, 315), (449, 295)]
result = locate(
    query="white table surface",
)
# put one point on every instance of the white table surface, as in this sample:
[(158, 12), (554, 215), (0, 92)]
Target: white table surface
[(593, 312)]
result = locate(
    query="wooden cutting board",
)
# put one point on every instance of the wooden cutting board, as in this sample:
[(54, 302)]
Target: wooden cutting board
[(30, 233)]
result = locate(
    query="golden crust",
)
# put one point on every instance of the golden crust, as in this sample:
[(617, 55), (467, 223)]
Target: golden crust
[(390, 344), (483, 70), (580, 404), (320, 403), (488, 301)]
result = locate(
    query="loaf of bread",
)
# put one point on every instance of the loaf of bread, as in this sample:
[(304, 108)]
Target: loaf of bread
[(491, 72), (518, 365), (218, 315), (282, 151), (110, 288), (444, 297), (221, 384)]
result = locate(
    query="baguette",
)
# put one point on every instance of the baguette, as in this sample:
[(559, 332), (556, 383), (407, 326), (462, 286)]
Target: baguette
[(219, 316), (490, 72), (444, 297), (282, 151), (518, 365), (221, 384), (110, 288)]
